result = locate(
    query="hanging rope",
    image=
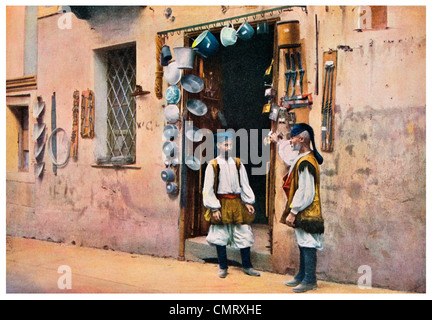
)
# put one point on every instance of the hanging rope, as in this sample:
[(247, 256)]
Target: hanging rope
[(159, 68)]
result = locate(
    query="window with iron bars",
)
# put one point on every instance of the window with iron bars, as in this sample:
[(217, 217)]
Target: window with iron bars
[(121, 108)]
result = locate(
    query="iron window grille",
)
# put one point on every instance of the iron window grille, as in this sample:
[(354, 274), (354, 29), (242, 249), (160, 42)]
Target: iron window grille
[(121, 111)]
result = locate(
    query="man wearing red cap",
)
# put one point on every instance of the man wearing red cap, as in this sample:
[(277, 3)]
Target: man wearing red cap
[(303, 209)]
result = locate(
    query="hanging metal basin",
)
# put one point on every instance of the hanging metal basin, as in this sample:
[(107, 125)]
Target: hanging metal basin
[(38, 129), (185, 57), (172, 113), (194, 134), (196, 107), (173, 95), (38, 107), (171, 132), (192, 84), (206, 44), (38, 149), (39, 169), (172, 73), (193, 163)]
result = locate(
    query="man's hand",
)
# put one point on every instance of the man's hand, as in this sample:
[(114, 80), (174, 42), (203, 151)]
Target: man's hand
[(250, 208), (217, 216), (290, 220), (274, 137)]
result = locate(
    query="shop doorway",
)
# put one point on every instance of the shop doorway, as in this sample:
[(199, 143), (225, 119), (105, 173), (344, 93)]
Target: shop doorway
[(235, 96)]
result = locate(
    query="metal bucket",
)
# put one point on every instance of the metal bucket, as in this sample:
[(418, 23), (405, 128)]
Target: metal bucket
[(288, 34), (185, 57)]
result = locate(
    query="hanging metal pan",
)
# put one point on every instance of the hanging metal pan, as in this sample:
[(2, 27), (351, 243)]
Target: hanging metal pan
[(172, 113), (196, 107), (173, 95), (172, 73), (193, 163), (194, 134), (192, 84)]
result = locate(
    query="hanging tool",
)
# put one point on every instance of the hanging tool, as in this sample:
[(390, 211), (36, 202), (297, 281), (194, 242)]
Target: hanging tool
[(324, 109), (316, 55), (87, 114), (293, 74), (301, 71), (287, 74), (53, 127), (74, 136), (329, 137)]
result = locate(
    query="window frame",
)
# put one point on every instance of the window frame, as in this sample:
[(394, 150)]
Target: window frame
[(121, 75)]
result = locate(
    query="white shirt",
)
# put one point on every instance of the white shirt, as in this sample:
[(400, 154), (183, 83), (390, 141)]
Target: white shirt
[(303, 197), (228, 183)]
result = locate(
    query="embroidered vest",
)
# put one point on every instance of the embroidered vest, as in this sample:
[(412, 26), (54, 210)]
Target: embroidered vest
[(216, 169), (310, 219), (232, 208)]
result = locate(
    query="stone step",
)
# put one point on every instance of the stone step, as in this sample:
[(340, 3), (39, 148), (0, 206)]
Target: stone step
[(197, 249)]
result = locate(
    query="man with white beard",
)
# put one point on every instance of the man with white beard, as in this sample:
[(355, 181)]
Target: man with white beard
[(303, 208)]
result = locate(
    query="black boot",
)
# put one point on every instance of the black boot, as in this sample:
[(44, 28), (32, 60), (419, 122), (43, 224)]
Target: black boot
[(246, 262)]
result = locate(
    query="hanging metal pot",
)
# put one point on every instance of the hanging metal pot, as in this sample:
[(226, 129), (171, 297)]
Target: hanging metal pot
[(168, 175), (262, 28), (171, 132), (288, 34), (166, 56), (228, 36), (170, 149), (206, 44), (185, 57), (171, 188), (245, 32)]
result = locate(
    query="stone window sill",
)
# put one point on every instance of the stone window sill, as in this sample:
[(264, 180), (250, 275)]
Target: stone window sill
[(111, 166)]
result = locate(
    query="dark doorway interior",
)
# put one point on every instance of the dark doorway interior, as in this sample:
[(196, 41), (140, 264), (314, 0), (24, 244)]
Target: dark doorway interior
[(235, 96), (243, 67)]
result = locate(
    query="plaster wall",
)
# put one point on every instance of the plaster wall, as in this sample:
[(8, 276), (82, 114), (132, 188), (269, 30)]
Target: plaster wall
[(15, 39), (373, 183), (373, 180)]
